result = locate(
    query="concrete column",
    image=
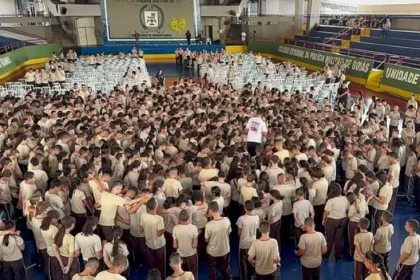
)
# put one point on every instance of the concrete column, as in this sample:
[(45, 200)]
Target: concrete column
[(313, 14), (299, 14), (261, 7)]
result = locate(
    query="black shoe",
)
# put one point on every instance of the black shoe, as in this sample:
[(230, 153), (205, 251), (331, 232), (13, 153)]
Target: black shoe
[(338, 259), (325, 258)]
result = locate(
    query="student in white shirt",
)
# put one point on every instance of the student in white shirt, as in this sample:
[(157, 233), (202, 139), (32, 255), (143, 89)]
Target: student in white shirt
[(243, 37), (381, 200), (91, 267), (312, 245), (218, 249), (38, 78), (410, 171), (357, 211), (176, 263), (30, 77), (185, 241), (335, 220), (247, 231), (287, 191), (393, 179), (409, 253), (87, 243), (264, 254), (11, 247), (119, 265), (302, 209), (61, 75), (256, 128), (154, 228), (275, 215)]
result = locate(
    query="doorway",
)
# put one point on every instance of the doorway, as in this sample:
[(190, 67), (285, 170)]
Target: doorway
[(209, 32)]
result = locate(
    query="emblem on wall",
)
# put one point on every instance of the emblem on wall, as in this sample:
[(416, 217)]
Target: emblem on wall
[(151, 18), (178, 25)]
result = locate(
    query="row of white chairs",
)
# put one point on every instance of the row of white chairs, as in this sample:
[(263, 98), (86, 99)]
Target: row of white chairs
[(274, 76)]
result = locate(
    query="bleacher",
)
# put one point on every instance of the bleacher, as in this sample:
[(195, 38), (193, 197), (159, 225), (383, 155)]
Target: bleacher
[(7, 41), (398, 42), (8, 44)]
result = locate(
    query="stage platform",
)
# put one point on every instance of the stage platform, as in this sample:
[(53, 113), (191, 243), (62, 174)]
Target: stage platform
[(151, 50)]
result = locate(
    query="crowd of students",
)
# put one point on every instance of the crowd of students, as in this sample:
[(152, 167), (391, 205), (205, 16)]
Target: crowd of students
[(54, 71), (369, 21), (157, 175)]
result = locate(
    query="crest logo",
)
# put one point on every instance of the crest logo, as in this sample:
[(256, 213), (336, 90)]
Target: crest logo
[(151, 18)]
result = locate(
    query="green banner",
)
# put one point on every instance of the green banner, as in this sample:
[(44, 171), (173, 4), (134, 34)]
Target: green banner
[(402, 77), (356, 67), (13, 59)]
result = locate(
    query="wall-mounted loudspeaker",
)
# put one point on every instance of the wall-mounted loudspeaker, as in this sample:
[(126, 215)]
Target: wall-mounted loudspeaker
[(63, 10)]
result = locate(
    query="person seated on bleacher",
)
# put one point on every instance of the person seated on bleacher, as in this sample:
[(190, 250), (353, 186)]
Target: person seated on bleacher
[(30, 77), (140, 53)]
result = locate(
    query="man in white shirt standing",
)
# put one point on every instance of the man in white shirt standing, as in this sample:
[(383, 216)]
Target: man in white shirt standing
[(256, 128), (247, 231), (243, 37), (30, 77), (328, 75), (393, 179), (154, 227), (218, 248)]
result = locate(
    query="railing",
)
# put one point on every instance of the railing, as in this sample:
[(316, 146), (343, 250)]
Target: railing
[(410, 61), (267, 39), (340, 35), (376, 56), (344, 32), (17, 31), (309, 45), (23, 15), (347, 51)]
